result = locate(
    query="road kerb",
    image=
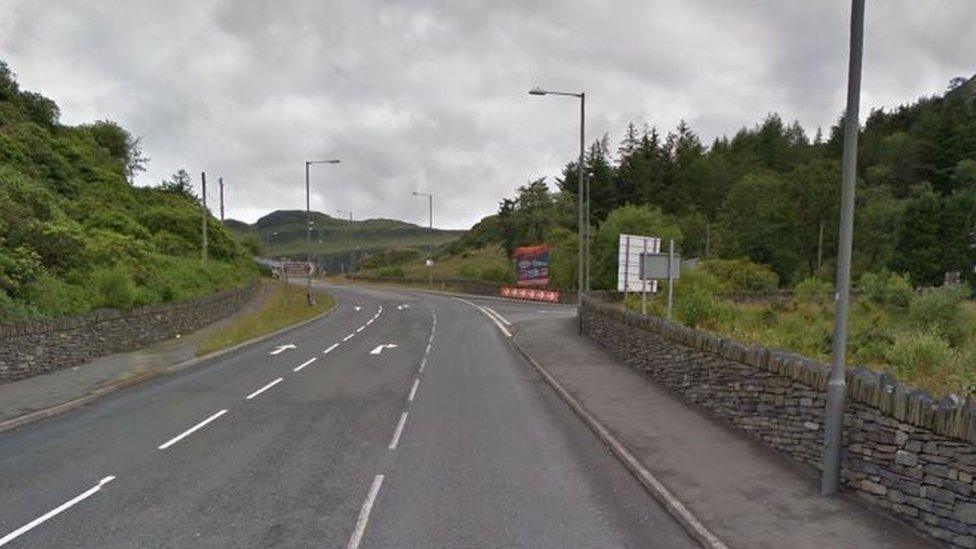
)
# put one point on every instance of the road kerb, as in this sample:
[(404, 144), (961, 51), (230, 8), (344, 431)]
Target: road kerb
[(99, 392), (655, 487)]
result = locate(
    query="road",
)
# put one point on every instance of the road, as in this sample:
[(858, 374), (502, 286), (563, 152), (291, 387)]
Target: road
[(402, 419)]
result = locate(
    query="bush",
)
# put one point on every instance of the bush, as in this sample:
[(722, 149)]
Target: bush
[(695, 301), (498, 274), (886, 288), (468, 271), (114, 289), (742, 275), (813, 288), (939, 310), (921, 354), (51, 296), (390, 271)]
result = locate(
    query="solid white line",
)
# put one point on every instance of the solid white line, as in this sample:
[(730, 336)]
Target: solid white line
[(190, 431), (499, 324), (265, 388), (330, 349), (399, 431), (498, 316), (413, 390), (304, 364), (359, 329), (422, 364), (363, 520), (428, 348), (53, 512), (348, 337)]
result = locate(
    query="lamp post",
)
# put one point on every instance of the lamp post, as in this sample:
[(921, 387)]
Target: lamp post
[(430, 243), (308, 222), (836, 384), (582, 196), (348, 235)]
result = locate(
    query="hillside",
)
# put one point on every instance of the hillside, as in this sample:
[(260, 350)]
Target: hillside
[(282, 233), (76, 235)]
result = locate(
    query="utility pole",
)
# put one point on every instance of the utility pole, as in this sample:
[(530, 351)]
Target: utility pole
[(836, 385), (220, 180), (203, 180)]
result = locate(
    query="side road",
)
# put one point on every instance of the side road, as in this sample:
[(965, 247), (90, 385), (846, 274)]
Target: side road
[(745, 494), (42, 396)]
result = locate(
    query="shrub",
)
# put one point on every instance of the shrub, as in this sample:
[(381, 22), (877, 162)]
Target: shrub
[(921, 354), (390, 271), (695, 301), (498, 273), (467, 270), (939, 310), (813, 288), (54, 297), (114, 288), (742, 275), (886, 287)]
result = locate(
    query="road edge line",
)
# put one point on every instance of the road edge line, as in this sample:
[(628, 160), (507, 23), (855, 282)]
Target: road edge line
[(99, 392), (651, 484)]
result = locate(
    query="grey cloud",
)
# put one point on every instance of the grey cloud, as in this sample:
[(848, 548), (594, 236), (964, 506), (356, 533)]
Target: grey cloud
[(431, 95)]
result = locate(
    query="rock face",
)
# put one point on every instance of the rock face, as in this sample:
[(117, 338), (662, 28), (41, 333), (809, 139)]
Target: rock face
[(40, 346), (905, 452)]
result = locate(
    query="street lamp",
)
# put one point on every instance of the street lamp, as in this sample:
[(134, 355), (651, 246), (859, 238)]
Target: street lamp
[(430, 243), (308, 222), (836, 384), (348, 239), (583, 280)]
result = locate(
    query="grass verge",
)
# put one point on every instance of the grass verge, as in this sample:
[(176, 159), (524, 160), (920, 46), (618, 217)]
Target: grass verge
[(284, 306)]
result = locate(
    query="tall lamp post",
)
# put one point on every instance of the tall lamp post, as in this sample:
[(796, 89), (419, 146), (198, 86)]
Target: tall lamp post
[(836, 385), (430, 242), (582, 196), (348, 235), (308, 222)]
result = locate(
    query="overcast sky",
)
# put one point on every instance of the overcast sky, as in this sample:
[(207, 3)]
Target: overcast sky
[(431, 95)]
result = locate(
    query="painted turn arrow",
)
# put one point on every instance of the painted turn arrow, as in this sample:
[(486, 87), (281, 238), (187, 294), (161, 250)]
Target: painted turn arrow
[(357, 307), (379, 348), (402, 307), (282, 348)]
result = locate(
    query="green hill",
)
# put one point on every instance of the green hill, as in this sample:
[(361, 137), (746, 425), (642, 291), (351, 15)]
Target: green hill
[(282, 233), (76, 235)]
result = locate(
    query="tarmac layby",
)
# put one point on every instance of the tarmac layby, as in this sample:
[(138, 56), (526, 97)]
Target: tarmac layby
[(401, 420)]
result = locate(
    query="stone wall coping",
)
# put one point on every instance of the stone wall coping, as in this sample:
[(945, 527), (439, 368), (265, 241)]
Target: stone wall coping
[(950, 416)]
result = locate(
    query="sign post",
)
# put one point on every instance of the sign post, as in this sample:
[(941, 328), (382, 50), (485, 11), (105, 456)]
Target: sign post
[(644, 285), (670, 276)]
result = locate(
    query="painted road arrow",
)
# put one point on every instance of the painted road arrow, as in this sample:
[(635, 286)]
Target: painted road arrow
[(402, 307), (379, 348), (357, 307), (282, 348)]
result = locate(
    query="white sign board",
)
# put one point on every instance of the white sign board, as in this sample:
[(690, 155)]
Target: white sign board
[(630, 252)]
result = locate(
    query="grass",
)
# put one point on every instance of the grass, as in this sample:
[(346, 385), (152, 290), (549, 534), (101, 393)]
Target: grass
[(929, 343), (488, 263), (283, 306)]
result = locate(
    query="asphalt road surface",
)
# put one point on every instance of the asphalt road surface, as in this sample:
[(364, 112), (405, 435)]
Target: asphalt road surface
[(400, 420)]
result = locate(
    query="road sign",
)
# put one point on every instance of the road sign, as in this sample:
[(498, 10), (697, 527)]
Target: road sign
[(655, 266), (629, 263), (298, 268)]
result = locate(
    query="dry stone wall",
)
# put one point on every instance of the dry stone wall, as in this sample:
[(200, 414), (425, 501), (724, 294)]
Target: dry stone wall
[(41, 346), (905, 452)]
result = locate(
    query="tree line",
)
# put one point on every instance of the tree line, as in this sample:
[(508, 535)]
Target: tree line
[(770, 194)]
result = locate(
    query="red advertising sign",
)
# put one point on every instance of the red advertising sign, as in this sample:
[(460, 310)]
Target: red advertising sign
[(531, 294), (532, 265)]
